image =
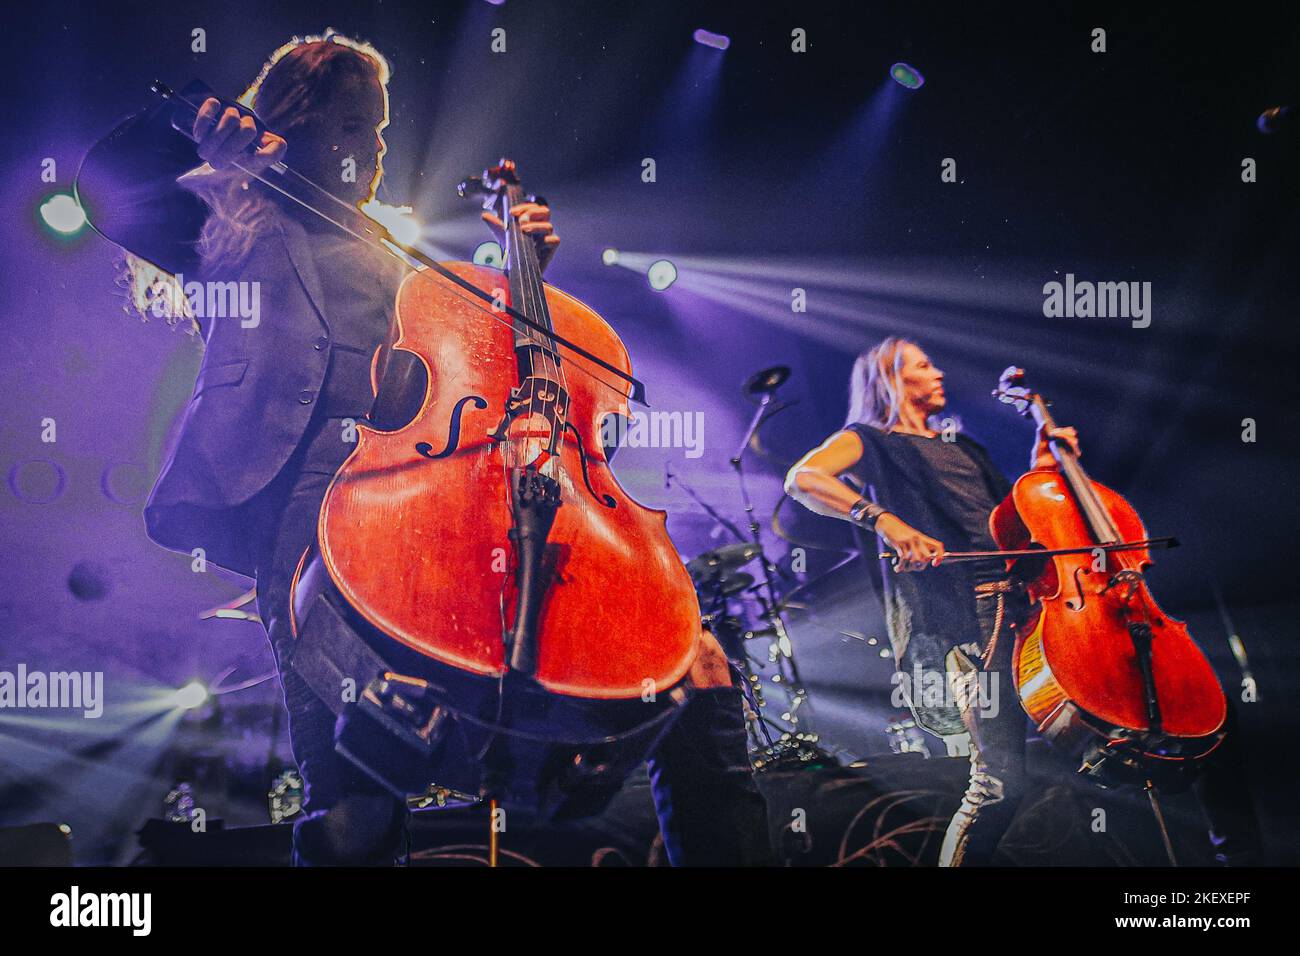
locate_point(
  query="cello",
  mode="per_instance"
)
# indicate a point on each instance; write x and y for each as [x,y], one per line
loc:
[549,618]
[1103,672]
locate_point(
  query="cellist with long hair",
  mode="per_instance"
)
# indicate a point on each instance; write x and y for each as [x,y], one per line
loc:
[925,490]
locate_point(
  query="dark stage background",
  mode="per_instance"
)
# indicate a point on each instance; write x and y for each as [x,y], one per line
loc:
[775,171]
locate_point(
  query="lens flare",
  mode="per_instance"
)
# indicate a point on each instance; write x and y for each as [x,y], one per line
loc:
[396,219]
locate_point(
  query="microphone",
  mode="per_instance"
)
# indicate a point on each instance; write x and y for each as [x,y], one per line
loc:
[1273,120]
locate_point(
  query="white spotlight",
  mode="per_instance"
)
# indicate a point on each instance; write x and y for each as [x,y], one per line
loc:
[192,695]
[661,274]
[489,254]
[609,257]
[63,214]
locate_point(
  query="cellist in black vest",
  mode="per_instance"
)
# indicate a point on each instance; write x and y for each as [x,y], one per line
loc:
[889,470]
[270,420]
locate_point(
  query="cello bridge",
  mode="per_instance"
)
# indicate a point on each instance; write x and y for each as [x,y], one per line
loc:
[1128,579]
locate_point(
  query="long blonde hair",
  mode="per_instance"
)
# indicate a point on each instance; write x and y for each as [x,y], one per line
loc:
[876,386]
[286,94]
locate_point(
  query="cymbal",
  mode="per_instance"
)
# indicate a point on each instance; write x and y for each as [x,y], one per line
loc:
[726,585]
[765,382]
[729,557]
[804,528]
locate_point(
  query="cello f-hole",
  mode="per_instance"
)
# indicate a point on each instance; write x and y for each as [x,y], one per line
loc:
[453,431]
[606,500]
[1079,603]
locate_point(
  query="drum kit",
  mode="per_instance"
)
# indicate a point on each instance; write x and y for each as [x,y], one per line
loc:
[745,598]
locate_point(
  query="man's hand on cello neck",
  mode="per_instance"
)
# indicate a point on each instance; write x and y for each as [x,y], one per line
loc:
[1042,457]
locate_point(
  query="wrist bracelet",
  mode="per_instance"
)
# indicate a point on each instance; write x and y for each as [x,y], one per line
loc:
[865,513]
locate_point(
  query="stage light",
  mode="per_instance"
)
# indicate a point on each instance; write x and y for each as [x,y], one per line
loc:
[661,274]
[715,40]
[609,257]
[63,214]
[908,77]
[489,254]
[192,695]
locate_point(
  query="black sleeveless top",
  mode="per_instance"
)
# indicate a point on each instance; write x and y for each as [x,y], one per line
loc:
[930,612]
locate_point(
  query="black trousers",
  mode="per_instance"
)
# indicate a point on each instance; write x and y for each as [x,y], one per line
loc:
[710,811]
[998,782]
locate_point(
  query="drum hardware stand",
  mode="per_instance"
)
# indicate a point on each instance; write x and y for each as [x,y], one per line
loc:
[795,745]
[1234,640]
[792,742]
[763,385]
[727,630]
[749,684]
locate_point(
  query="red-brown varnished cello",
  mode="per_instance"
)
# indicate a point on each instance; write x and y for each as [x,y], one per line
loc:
[489,535]
[1101,670]
[419,528]
[533,623]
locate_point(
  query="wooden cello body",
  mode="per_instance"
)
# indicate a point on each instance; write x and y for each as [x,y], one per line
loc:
[542,618]
[1102,670]
[421,547]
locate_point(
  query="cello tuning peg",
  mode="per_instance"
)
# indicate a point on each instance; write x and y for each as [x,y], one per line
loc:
[471,185]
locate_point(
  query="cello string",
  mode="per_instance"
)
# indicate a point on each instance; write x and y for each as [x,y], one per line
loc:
[561,379]
[1096,515]
[519,269]
[529,272]
[530,278]
[557,367]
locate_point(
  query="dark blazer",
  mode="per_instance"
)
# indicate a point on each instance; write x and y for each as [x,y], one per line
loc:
[252,401]
[257,387]
[927,614]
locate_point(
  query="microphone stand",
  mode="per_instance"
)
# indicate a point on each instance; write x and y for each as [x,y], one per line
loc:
[670,476]
[801,743]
